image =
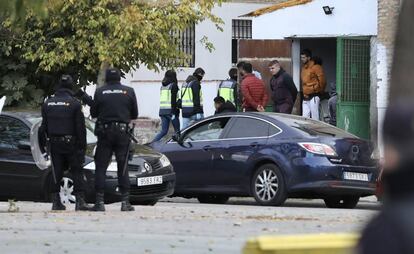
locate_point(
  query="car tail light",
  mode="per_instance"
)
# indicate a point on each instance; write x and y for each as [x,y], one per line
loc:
[318,148]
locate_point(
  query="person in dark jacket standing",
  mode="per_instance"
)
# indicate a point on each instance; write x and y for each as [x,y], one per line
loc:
[168,104]
[223,106]
[253,90]
[114,106]
[283,88]
[192,98]
[392,230]
[63,124]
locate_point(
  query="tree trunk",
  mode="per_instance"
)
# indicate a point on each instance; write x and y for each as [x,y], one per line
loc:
[402,75]
[101,76]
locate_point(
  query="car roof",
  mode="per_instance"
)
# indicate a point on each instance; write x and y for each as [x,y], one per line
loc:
[24,115]
[270,116]
[303,126]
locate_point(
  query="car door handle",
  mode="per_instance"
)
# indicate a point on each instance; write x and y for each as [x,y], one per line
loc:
[207,148]
[254,144]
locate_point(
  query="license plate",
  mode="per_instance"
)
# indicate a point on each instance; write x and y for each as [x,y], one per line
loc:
[356,176]
[144,181]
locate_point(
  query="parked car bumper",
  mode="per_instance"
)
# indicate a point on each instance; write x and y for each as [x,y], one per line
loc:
[141,193]
[319,176]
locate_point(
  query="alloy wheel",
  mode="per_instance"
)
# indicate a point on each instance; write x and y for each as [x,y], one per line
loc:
[266,185]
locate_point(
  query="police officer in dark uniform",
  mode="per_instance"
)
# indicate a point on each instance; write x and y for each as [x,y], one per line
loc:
[63,124]
[114,106]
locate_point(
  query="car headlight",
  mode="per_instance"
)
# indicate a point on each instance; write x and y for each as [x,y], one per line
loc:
[165,162]
[112,167]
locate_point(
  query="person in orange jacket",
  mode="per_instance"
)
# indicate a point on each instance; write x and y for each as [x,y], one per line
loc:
[313,84]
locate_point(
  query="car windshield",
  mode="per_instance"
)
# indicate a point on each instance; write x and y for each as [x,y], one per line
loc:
[314,128]
[90,137]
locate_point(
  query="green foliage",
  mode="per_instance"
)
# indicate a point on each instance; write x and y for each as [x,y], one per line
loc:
[17,81]
[17,9]
[80,37]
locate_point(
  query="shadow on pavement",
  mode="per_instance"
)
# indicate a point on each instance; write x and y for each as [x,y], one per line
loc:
[370,204]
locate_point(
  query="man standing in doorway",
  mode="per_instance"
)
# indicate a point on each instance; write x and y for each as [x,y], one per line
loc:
[313,83]
[192,98]
[284,91]
[253,90]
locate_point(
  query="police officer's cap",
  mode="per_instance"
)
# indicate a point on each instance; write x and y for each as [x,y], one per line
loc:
[112,74]
[66,81]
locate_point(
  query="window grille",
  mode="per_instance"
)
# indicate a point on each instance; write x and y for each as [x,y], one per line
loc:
[241,29]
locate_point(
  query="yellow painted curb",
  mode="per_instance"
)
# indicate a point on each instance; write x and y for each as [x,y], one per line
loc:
[302,244]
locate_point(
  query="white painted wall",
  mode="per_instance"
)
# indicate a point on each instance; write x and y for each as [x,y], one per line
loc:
[382,91]
[350,17]
[216,64]
[296,64]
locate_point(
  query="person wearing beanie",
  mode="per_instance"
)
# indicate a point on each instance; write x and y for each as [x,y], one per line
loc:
[114,106]
[392,230]
[191,98]
[63,124]
[168,104]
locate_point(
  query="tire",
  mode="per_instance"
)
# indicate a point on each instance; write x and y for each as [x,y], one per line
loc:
[151,202]
[347,202]
[213,199]
[268,186]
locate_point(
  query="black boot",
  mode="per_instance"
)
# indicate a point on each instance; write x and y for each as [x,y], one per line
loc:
[125,204]
[81,205]
[99,203]
[56,203]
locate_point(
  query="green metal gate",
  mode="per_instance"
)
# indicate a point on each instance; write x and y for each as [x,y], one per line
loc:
[353,85]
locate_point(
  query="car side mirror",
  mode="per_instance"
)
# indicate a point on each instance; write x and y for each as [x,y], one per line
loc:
[177,138]
[24,145]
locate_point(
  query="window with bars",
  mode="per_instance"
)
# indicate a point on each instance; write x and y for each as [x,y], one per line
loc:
[186,44]
[241,29]
[356,70]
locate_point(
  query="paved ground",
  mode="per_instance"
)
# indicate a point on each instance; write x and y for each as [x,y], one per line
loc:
[172,226]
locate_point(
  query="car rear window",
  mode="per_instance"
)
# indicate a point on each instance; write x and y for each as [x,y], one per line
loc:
[314,128]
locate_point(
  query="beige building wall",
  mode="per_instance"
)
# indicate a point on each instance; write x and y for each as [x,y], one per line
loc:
[388,11]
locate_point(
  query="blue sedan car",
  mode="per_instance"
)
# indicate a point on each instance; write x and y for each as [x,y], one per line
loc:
[271,157]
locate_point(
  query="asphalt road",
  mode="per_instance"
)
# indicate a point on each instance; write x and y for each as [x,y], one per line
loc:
[172,226]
